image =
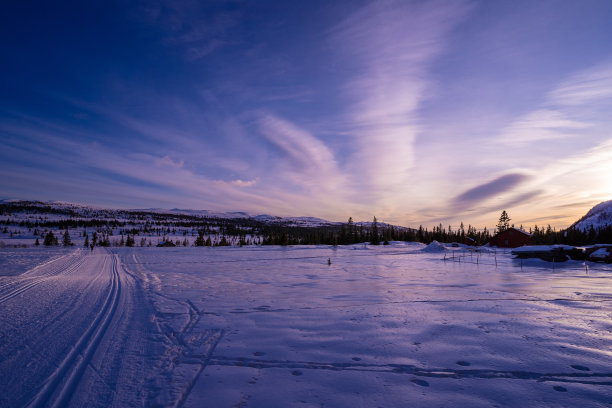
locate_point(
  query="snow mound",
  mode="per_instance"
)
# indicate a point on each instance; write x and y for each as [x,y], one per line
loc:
[532,248]
[435,246]
[599,216]
[601,253]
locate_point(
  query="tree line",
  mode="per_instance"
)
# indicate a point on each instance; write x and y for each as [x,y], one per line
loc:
[213,231]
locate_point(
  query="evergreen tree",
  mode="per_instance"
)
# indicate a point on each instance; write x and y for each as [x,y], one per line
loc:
[504,222]
[50,239]
[66,241]
[351,231]
[375,239]
[86,244]
[200,239]
[37,243]
[129,242]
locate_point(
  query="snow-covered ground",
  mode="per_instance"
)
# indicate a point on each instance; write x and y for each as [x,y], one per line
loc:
[388,326]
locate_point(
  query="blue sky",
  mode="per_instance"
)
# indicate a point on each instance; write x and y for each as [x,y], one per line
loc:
[418,112]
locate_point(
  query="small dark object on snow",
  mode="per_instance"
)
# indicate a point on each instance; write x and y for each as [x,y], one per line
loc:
[422,383]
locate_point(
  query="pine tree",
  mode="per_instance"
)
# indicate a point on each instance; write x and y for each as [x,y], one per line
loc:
[50,239]
[66,241]
[200,239]
[37,243]
[375,240]
[504,222]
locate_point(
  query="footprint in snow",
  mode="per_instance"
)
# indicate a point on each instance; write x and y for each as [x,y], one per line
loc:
[463,363]
[356,359]
[580,367]
[296,372]
[559,388]
[259,353]
[422,383]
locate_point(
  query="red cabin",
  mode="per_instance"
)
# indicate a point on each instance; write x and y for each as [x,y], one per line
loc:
[510,238]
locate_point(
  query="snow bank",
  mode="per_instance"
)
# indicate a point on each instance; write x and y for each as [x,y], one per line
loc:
[601,253]
[533,248]
[435,246]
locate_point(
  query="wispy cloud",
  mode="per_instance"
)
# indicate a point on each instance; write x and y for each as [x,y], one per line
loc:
[542,124]
[168,162]
[191,26]
[388,47]
[584,87]
[308,160]
[238,182]
[561,114]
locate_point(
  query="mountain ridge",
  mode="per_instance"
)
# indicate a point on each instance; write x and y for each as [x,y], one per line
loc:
[600,216]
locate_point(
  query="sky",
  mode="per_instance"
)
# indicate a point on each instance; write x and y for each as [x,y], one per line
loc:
[416,112]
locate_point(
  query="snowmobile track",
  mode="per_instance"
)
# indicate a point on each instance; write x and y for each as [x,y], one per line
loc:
[60,386]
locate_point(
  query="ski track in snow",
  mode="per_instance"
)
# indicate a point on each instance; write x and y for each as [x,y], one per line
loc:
[56,394]
[61,319]
[279,327]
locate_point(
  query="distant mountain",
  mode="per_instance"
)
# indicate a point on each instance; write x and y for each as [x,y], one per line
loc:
[67,209]
[195,213]
[599,216]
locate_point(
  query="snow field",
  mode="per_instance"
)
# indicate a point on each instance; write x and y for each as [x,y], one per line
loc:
[385,326]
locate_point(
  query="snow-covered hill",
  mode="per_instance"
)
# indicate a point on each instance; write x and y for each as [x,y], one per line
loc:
[599,216]
[61,210]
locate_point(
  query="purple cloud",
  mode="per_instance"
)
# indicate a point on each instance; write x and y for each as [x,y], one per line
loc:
[492,188]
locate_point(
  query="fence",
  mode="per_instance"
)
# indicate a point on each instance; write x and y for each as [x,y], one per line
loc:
[477,257]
